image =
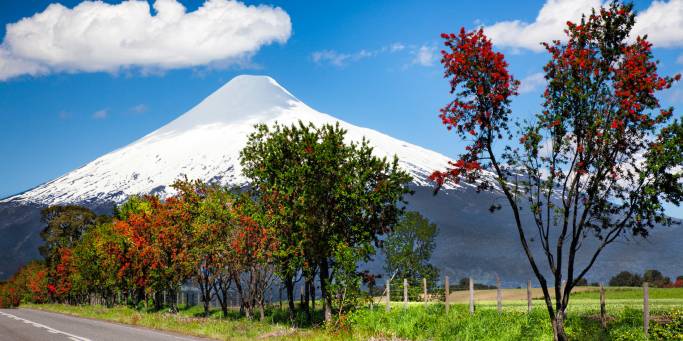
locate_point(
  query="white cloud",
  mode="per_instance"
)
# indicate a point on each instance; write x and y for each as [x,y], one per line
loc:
[532,82]
[661,21]
[395,47]
[340,59]
[100,114]
[139,109]
[549,25]
[95,36]
[426,56]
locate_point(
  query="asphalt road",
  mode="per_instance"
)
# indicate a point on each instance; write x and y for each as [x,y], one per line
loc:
[34,325]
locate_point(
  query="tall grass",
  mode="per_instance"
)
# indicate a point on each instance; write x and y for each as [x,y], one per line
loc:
[432,323]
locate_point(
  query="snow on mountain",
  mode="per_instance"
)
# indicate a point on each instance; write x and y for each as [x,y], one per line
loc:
[205,142]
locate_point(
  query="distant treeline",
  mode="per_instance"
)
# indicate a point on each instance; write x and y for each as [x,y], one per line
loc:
[653,277]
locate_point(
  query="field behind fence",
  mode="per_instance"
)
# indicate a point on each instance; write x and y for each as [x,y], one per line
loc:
[603,301]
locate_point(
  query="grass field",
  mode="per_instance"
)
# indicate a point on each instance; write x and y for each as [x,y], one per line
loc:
[624,307]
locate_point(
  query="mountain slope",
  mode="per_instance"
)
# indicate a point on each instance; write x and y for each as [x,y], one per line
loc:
[205,142]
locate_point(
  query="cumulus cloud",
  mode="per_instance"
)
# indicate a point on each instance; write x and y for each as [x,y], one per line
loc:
[96,36]
[426,56]
[100,114]
[549,25]
[532,82]
[661,21]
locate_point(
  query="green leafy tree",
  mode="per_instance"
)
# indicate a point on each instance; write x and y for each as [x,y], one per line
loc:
[97,264]
[213,227]
[64,227]
[656,279]
[408,249]
[330,193]
[273,161]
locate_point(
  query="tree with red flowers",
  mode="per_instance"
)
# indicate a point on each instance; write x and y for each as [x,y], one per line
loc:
[679,282]
[596,164]
[252,246]
[135,257]
[9,295]
[213,225]
[30,282]
[159,235]
[61,282]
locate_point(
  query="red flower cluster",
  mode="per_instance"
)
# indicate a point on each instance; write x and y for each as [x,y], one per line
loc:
[483,86]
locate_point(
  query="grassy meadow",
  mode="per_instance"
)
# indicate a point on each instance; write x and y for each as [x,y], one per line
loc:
[426,322]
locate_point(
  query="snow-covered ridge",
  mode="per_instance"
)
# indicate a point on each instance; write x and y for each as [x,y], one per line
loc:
[205,143]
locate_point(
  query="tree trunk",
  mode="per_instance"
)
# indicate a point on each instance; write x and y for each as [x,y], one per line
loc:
[205,290]
[324,289]
[312,292]
[558,326]
[289,283]
[221,287]
[173,294]
[307,291]
[157,298]
[244,304]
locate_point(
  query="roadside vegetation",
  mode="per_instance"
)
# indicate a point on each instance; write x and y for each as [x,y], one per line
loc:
[418,322]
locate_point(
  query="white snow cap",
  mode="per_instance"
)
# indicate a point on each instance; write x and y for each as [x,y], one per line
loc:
[205,143]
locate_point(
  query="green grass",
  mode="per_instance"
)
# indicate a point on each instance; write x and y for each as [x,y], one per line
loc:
[187,321]
[632,293]
[624,308]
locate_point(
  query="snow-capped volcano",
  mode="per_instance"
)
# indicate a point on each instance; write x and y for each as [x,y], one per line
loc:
[205,143]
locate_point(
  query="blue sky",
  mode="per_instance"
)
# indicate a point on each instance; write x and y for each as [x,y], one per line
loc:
[371,63]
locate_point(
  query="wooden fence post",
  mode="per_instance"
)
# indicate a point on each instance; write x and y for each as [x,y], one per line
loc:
[646,309]
[405,293]
[603,312]
[424,289]
[499,295]
[388,290]
[471,296]
[447,290]
[528,296]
